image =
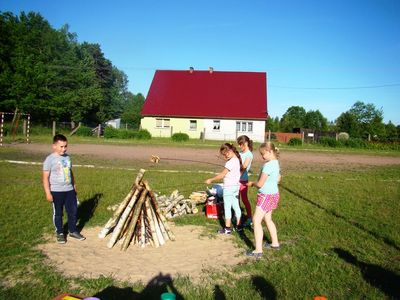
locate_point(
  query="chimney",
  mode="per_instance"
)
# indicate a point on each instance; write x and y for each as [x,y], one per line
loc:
[210,70]
[191,70]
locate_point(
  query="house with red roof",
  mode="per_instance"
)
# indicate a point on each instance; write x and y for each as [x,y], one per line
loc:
[214,105]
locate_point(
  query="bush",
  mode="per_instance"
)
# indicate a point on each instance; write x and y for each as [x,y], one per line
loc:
[295,142]
[84,131]
[143,134]
[329,142]
[355,143]
[113,133]
[180,137]
[110,132]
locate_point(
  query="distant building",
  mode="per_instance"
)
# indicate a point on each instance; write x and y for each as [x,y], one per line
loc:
[214,104]
[116,123]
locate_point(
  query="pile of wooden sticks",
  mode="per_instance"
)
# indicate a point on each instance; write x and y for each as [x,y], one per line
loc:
[138,219]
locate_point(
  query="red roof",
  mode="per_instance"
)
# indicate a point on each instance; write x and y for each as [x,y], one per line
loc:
[205,94]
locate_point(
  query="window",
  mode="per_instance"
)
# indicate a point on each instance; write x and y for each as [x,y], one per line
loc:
[193,125]
[162,123]
[244,126]
[216,125]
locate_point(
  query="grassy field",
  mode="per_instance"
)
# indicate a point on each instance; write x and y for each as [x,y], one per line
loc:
[339,231]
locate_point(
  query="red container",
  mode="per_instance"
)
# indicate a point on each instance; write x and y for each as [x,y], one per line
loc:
[214,210]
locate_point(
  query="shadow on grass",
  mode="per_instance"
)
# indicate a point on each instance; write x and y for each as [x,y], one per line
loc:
[154,289]
[263,287]
[385,280]
[86,210]
[386,240]
[218,293]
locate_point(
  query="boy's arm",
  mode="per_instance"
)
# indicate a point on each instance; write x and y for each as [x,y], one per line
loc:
[73,182]
[46,185]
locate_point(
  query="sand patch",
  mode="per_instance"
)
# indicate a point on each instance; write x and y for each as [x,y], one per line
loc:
[191,254]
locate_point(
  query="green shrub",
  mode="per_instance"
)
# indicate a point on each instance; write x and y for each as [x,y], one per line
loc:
[295,142]
[143,134]
[113,133]
[329,142]
[355,143]
[110,132]
[180,137]
[84,131]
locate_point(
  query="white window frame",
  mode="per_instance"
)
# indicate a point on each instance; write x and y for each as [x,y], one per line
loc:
[216,125]
[193,125]
[162,123]
[244,126]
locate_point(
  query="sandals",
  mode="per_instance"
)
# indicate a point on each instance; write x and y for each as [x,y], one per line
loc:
[269,246]
[256,255]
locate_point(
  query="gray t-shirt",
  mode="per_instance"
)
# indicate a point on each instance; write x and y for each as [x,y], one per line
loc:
[59,167]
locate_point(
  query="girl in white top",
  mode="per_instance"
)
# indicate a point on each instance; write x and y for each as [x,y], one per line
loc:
[231,176]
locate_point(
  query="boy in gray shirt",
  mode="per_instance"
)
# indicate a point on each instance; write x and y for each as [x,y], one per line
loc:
[59,186]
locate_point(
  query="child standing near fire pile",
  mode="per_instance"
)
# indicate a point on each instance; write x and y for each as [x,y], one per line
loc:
[60,189]
[246,148]
[267,199]
[231,176]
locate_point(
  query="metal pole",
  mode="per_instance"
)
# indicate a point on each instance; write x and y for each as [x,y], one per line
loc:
[27,129]
[1,131]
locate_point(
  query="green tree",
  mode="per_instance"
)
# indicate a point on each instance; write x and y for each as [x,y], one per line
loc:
[391,132]
[347,122]
[293,118]
[132,110]
[272,124]
[315,120]
[369,119]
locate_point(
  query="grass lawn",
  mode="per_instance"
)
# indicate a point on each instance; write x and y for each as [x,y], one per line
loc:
[339,231]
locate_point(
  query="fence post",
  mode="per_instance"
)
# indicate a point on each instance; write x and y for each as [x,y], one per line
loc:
[28,128]
[98,130]
[204,135]
[1,130]
[54,128]
[302,137]
[269,135]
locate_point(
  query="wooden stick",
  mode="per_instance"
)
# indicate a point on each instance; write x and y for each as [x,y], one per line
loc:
[113,220]
[122,219]
[135,217]
[152,226]
[160,214]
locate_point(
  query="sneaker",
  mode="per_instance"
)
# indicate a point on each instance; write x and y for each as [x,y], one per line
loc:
[256,255]
[239,228]
[269,246]
[60,238]
[225,230]
[77,235]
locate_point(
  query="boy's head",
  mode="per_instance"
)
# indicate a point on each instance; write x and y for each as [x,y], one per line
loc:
[60,144]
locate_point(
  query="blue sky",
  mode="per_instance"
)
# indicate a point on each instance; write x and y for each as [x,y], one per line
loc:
[320,54]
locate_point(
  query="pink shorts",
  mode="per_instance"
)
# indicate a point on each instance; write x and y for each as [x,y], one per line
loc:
[267,202]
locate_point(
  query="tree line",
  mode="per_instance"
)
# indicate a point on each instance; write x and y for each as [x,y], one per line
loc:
[362,120]
[46,72]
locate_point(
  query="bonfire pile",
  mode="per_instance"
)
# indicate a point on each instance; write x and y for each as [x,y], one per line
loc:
[138,219]
[176,205]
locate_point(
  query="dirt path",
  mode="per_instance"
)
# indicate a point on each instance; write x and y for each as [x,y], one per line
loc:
[172,155]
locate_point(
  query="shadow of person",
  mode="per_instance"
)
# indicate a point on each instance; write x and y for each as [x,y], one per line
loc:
[115,293]
[158,285]
[263,287]
[385,280]
[86,210]
[218,293]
